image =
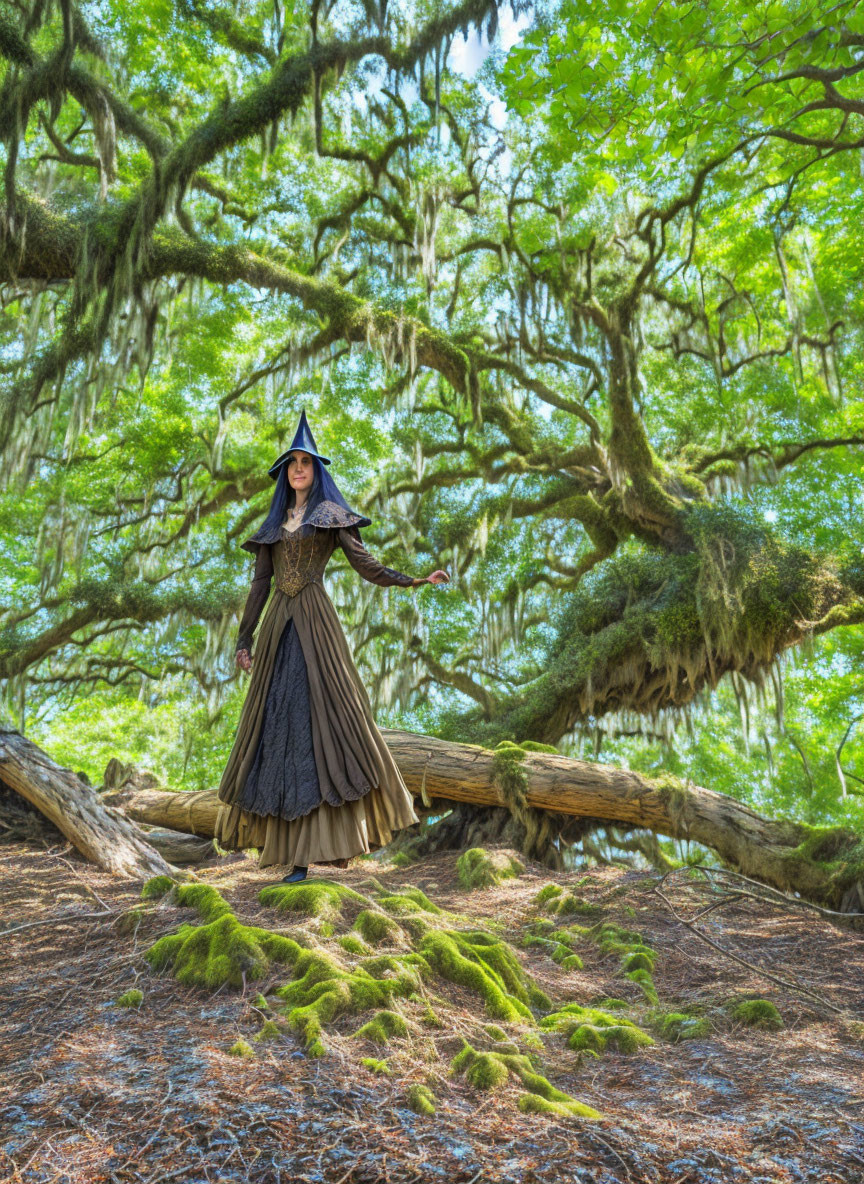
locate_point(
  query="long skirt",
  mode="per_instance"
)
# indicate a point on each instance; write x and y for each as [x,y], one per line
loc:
[310,778]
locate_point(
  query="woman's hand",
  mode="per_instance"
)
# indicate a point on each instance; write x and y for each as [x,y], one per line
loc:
[438,577]
[244,659]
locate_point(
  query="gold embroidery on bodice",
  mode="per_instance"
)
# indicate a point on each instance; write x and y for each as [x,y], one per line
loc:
[300,559]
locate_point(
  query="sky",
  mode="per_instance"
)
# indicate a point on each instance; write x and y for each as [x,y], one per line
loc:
[466,57]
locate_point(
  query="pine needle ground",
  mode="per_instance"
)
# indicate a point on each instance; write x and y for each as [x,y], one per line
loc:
[197,1083]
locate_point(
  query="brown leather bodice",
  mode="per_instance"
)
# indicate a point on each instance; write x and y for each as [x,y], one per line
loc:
[300,559]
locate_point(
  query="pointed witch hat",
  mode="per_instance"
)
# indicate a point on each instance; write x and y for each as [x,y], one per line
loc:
[304,440]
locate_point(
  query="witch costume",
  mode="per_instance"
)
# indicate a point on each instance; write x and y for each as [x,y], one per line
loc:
[310,778]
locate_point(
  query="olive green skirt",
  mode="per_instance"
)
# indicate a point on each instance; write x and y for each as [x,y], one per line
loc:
[348,747]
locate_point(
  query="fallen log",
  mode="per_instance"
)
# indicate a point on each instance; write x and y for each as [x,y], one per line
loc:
[192,813]
[179,849]
[104,835]
[821,864]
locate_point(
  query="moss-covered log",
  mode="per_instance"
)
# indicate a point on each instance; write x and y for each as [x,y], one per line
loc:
[822,864]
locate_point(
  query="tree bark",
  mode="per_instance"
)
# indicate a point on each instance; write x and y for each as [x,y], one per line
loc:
[189,813]
[102,834]
[822,864]
[179,849]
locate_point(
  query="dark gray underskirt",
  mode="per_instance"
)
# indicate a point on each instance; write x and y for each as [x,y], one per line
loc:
[283,779]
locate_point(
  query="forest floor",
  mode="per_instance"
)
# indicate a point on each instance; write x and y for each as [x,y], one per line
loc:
[91,1091]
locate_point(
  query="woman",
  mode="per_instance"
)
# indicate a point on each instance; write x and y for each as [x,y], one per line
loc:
[310,778]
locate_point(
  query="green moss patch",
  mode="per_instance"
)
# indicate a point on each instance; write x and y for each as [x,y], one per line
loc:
[542,942]
[636,958]
[543,926]
[130,998]
[588,1029]
[487,965]
[223,951]
[537,1104]
[571,935]
[324,990]
[269,1030]
[646,983]
[562,954]
[758,1013]
[681,1025]
[555,900]
[375,1066]
[491,1070]
[408,901]
[324,899]
[241,1049]
[157,887]
[612,939]
[420,1099]
[826,863]
[412,965]
[478,868]
[495,1032]
[383,1026]
[353,945]
[378,928]
[207,901]
[484,1070]
[430,1017]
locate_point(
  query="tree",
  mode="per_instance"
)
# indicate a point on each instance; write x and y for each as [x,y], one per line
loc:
[608,335]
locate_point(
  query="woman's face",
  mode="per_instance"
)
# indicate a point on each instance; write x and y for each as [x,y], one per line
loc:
[301,470]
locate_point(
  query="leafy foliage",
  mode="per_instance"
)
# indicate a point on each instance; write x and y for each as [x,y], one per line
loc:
[593,345]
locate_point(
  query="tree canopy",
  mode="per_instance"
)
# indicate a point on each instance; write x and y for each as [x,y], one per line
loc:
[581,321]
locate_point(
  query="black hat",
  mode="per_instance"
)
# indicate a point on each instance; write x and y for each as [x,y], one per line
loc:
[304,440]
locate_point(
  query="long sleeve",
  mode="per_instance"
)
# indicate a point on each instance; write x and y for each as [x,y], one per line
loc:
[367,565]
[257,598]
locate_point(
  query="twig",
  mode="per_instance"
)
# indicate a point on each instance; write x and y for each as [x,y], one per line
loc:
[593,1135]
[766,892]
[184,1167]
[54,920]
[81,879]
[743,962]
[720,904]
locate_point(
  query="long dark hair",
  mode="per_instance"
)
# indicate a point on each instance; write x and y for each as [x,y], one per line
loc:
[324,488]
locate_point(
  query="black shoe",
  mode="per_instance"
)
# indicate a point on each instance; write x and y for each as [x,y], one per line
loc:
[296,876]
